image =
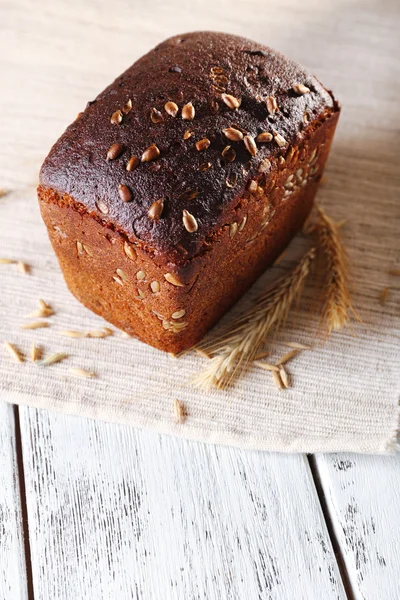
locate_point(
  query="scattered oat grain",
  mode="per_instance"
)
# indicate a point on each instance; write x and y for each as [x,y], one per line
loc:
[35,325]
[82,372]
[179,411]
[14,352]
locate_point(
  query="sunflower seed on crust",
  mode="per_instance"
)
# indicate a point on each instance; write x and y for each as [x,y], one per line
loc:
[189,221]
[124,193]
[155,210]
[171,109]
[230,101]
[127,107]
[156,116]
[271,104]
[264,136]
[188,112]
[129,251]
[202,144]
[173,279]
[115,151]
[151,153]
[300,89]
[233,134]
[250,144]
[116,117]
[132,163]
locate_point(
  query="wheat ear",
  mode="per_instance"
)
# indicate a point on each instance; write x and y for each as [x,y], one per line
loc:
[238,344]
[337,308]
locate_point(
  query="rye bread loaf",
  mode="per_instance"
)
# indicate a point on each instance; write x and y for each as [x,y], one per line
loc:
[183,180]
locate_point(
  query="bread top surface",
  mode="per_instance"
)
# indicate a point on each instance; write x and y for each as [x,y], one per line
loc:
[192,68]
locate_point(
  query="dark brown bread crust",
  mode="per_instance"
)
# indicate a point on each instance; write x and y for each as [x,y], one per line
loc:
[196,68]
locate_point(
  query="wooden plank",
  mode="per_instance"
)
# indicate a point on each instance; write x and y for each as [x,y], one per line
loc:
[116,512]
[363,498]
[13,579]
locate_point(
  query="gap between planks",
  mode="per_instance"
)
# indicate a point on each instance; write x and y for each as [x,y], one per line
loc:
[24,508]
[331,531]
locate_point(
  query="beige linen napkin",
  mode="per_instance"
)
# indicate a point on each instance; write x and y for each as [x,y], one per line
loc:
[345,393]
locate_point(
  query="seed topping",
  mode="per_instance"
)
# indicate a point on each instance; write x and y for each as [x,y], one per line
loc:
[151,153]
[230,101]
[174,280]
[188,134]
[279,139]
[114,151]
[127,107]
[155,287]
[264,166]
[140,275]
[116,117]
[271,104]
[202,144]
[102,207]
[233,134]
[178,314]
[171,109]
[132,163]
[229,153]
[300,89]
[189,221]
[156,116]
[122,274]
[124,193]
[205,167]
[156,209]
[188,112]
[265,136]
[129,251]
[250,145]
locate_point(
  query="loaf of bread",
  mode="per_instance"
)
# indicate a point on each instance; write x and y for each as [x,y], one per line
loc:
[183,180]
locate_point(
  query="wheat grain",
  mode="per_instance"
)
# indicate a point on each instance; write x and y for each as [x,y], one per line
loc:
[298,346]
[23,267]
[52,359]
[82,373]
[238,343]
[284,377]
[35,325]
[179,411]
[34,352]
[276,378]
[288,356]
[266,366]
[14,352]
[338,308]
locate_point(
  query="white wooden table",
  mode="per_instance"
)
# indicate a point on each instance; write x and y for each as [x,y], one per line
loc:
[94,510]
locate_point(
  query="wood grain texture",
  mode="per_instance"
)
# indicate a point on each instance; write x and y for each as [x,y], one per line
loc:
[363,497]
[120,513]
[13,585]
